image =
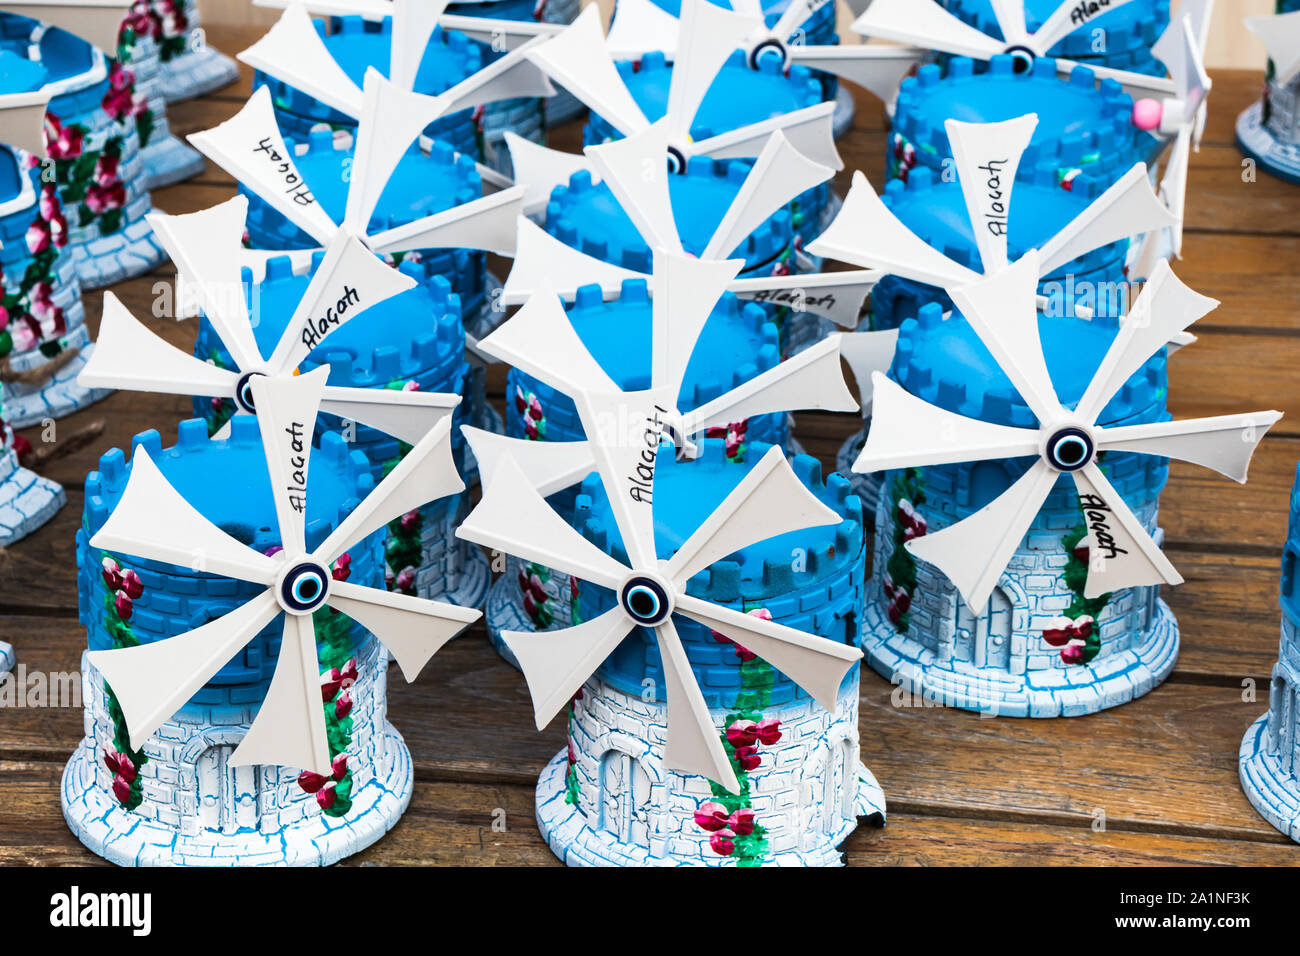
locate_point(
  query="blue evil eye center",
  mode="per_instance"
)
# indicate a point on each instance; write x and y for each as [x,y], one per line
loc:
[676,160]
[1022,58]
[244,393]
[304,588]
[1069,449]
[770,47]
[645,601]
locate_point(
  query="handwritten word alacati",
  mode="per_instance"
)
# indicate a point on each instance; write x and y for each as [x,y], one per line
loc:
[1096,513]
[995,214]
[642,482]
[294,184]
[317,329]
[297,488]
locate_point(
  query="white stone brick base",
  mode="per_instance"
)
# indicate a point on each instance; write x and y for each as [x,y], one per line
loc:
[1111,680]
[168,161]
[800,793]
[130,252]
[60,395]
[27,501]
[1271,790]
[199,70]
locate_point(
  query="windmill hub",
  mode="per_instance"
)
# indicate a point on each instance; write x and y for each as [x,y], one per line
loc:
[1022,58]
[769,47]
[244,392]
[676,160]
[1069,449]
[646,599]
[303,586]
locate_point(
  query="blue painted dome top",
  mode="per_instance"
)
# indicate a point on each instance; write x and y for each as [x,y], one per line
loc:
[19,74]
[359,44]
[423,183]
[588,217]
[936,211]
[944,362]
[61,53]
[1129,27]
[738,96]
[738,341]
[687,492]
[1079,121]
[393,341]
[227,482]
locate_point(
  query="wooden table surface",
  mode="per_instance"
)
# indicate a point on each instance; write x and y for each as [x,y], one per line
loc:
[1151,782]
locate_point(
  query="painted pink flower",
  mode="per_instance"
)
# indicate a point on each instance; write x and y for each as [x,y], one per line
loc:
[411,386]
[120,765]
[100,199]
[722,843]
[59,230]
[49,202]
[112,573]
[311,782]
[410,520]
[742,733]
[748,758]
[405,580]
[4,318]
[330,682]
[339,766]
[106,170]
[711,816]
[132,584]
[1073,653]
[343,706]
[742,821]
[521,400]
[121,790]
[122,604]
[325,796]
[38,237]
[349,672]
[63,142]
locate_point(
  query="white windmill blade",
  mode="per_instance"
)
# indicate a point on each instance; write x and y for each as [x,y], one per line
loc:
[1173,48]
[1120,551]
[1068,17]
[152,521]
[1281,35]
[128,355]
[866,233]
[349,280]
[810,379]
[987,156]
[1010,18]
[407,416]
[489,224]
[839,296]
[791,18]
[810,130]
[866,354]
[549,466]
[974,552]
[1136,85]
[22,120]
[1164,308]
[708,36]
[390,121]
[878,69]
[686,290]
[816,664]
[693,743]
[413,629]
[426,473]
[1173,185]
[641,27]
[293,52]
[505,78]
[557,664]
[925,23]
[498,33]
[289,727]
[623,432]
[95,21]
[153,681]
[779,175]
[540,170]
[769,501]
[367,9]
[250,148]
[513,518]
[540,341]
[635,169]
[1224,443]
[1127,208]
[578,60]
[286,417]
[907,432]
[413,24]
[206,247]
[540,256]
[1002,309]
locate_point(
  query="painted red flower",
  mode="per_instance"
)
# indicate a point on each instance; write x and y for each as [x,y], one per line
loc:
[405,579]
[325,796]
[132,584]
[722,843]
[106,170]
[311,782]
[112,573]
[343,706]
[742,821]
[330,682]
[121,790]
[748,758]
[38,237]
[768,731]
[63,142]
[711,816]
[122,604]
[100,199]
[339,766]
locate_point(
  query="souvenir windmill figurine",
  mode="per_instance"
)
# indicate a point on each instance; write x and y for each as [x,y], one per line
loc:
[928,235]
[191,66]
[239,637]
[43,334]
[684,569]
[1000,584]
[1269,763]
[316,78]
[1269,130]
[91,135]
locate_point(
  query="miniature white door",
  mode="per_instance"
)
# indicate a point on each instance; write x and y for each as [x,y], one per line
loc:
[624,796]
[1283,700]
[841,786]
[984,641]
[227,796]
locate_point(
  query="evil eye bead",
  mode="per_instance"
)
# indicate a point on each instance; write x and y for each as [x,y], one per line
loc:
[645,601]
[770,47]
[1069,449]
[244,393]
[304,588]
[1022,58]
[676,161]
